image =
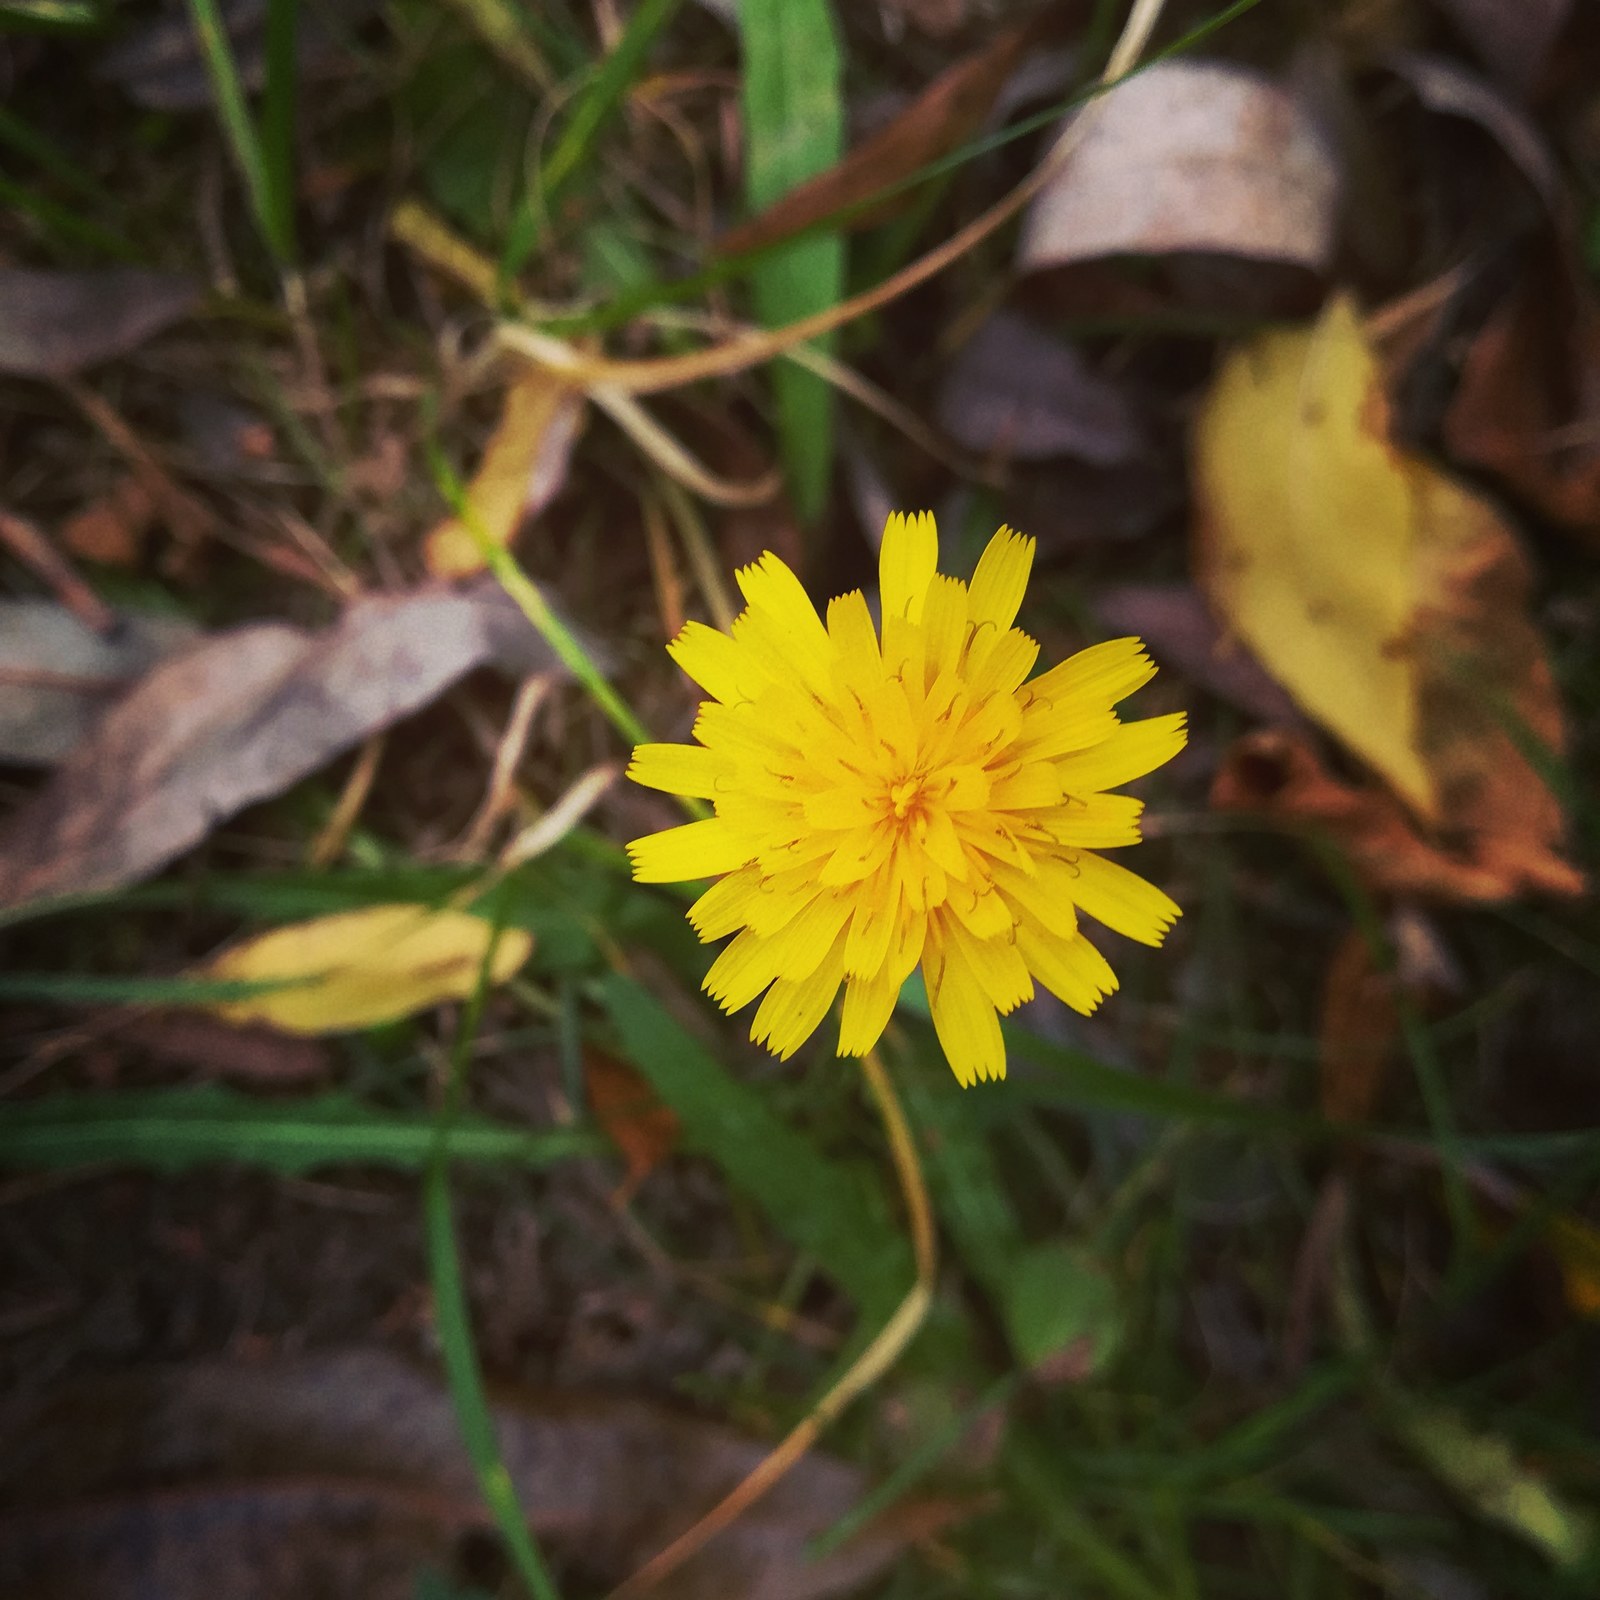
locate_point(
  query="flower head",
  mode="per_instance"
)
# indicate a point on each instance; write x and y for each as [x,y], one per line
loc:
[880,803]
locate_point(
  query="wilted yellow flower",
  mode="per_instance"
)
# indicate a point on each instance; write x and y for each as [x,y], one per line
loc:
[880,804]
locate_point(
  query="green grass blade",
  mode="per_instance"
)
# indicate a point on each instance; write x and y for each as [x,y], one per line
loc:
[237,125]
[794,128]
[174,1129]
[600,100]
[835,1213]
[454,1317]
[67,225]
[1036,1481]
[594,108]
[533,605]
[277,121]
[70,988]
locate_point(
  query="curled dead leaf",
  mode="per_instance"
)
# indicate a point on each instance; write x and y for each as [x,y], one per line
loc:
[1276,774]
[1190,160]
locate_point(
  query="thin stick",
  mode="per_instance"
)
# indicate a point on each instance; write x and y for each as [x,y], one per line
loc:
[329,845]
[871,1365]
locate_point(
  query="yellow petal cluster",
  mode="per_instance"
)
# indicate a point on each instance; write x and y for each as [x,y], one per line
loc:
[915,797]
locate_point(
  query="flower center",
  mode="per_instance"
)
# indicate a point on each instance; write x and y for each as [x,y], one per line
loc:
[905,796]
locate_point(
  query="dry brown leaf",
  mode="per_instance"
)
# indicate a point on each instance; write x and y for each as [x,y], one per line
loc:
[638,1122]
[1277,774]
[112,528]
[1527,407]
[350,1466]
[1190,159]
[946,114]
[56,323]
[239,718]
[57,675]
[1359,1030]
[1016,392]
[523,468]
[1388,600]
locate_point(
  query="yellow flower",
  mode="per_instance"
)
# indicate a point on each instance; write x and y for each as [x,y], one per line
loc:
[880,804]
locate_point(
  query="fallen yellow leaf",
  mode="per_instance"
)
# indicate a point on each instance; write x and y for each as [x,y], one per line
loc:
[365,967]
[523,467]
[1386,598]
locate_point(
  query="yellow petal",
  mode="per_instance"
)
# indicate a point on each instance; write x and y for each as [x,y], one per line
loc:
[998,662]
[855,641]
[982,912]
[857,855]
[944,624]
[717,664]
[944,844]
[1133,750]
[906,943]
[907,561]
[1045,895]
[791,1010]
[1033,784]
[1001,972]
[964,1019]
[678,768]
[871,932]
[770,586]
[726,906]
[868,1005]
[1001,579]
[1071,969]
[365,967]
[743,968]
[798,947]
[1102,675]
[694,850]
[1123,900]
[1093,821]
[788,655]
